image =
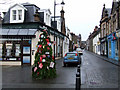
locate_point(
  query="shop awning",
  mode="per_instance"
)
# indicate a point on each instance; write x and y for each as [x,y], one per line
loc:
[18,32]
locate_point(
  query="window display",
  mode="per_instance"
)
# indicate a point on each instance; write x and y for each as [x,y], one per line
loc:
[8,49]
[0,50]
[116,48]
[26,50]
[109,48]
[18,51]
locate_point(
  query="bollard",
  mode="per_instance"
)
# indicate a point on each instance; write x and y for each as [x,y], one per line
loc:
[78,81]
[78,68]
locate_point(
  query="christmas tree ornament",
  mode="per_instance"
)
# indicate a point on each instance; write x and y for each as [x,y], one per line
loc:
[35,69]
[41,33]
[41,40]
[40,59]
[53,57]
[47,40]
[49,44]
[52,64]
[39,36]
[48,48]
[40,46]
[44,56]
[43,60]
[47,67]
[43,46]
[47,53]
[48,37]
[40,65]
[37,73]
[40,52]
[48,56]
[42,36]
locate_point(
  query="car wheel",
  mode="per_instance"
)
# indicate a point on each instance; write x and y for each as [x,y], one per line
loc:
[64,65]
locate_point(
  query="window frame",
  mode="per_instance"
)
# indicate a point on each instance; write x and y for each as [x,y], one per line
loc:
[14,14]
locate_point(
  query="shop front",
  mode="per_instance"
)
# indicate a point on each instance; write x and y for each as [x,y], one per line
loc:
[16,49]
[113,46]
[103,46]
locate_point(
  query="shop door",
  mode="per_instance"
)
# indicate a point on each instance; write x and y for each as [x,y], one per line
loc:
[26,55]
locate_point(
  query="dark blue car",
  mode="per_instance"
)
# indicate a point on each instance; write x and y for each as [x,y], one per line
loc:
[72,57]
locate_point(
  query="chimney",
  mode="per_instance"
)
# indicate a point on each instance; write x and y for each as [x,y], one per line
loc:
[37,16]
[63,30]
[62,13]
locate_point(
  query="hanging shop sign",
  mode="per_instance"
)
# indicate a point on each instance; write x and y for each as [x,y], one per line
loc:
[103,40]
[118,34]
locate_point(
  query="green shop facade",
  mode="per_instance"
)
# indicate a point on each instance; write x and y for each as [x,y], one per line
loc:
[19,40]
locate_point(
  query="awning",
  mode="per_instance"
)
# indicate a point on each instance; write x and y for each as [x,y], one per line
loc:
[17,33]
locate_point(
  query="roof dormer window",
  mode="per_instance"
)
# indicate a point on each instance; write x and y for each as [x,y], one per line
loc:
[14,14]
[19,14]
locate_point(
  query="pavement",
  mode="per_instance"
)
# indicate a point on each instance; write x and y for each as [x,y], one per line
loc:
[115,62]
[21,77]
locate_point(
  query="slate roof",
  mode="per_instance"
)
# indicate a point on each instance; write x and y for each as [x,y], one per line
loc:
[31,9]
[18,31]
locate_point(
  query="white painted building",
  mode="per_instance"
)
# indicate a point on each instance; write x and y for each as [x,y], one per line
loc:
[66,42]
[20,35]
[46,15]
[96,43]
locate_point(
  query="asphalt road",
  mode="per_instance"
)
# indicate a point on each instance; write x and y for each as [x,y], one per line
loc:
[98,73]
[20,77]
[95,73]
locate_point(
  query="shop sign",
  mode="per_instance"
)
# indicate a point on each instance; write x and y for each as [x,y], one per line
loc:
[98,42]
[109,37]
[118,34]
[103,40]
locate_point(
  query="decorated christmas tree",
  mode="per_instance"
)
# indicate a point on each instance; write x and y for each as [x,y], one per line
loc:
[44,65]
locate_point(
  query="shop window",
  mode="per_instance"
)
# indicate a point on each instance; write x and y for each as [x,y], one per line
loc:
[116,48]
[17,51]
[98,48]
[0,50]
[26,50]
[8,49]
[109,48]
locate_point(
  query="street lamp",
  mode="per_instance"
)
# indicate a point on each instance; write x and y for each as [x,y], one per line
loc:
[62,3]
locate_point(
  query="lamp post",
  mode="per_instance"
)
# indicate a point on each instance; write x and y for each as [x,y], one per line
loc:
[62,3]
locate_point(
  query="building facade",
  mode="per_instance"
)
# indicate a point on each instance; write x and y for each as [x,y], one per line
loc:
[21,28]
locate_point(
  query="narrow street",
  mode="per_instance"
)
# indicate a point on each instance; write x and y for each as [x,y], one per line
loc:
[98,73]
[95,73]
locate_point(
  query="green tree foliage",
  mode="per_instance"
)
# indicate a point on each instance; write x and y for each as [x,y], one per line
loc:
[44,64]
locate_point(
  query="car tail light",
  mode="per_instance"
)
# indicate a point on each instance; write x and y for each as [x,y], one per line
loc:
[65,54]
[76,54]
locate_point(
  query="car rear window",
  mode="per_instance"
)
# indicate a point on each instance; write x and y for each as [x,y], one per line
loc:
[78,49]
[70,54]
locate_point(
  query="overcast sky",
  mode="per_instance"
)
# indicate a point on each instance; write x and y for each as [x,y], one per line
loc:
[81,16]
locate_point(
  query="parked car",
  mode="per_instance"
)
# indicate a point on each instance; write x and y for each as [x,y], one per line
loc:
[79,50]
[72,57]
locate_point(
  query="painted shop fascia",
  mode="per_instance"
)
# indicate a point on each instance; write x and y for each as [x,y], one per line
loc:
[113,46]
